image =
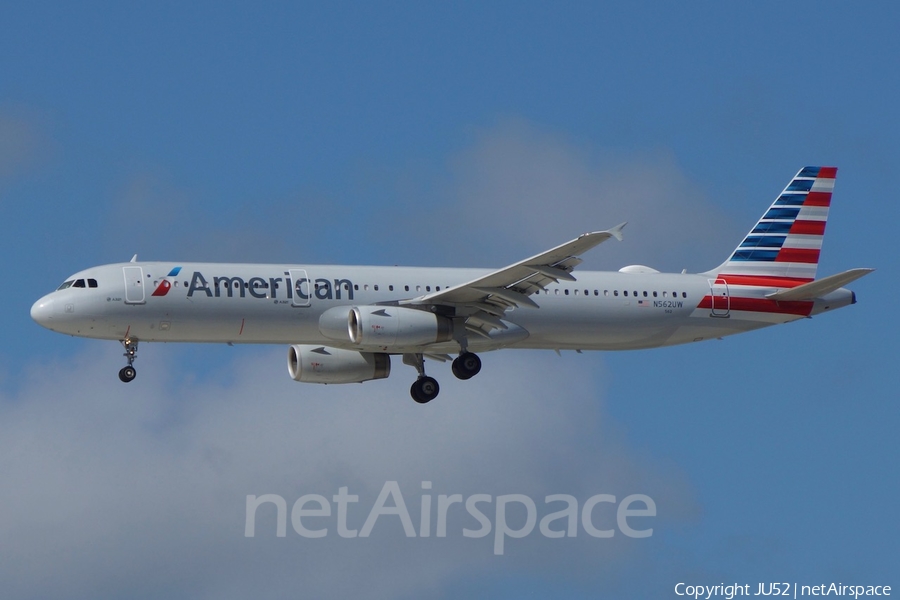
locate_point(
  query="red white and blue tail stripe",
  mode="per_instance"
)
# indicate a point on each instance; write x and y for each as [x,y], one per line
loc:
[780,252]
[783,248]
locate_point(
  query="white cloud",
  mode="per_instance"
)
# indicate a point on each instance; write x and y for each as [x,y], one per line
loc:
[110,489]
[113,489]
[22,142]
[519,189]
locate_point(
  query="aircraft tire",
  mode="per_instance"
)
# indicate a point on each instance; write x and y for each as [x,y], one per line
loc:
[127,374]
[466,365]
[424,390]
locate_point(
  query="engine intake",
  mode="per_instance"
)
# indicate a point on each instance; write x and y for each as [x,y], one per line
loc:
[320,364]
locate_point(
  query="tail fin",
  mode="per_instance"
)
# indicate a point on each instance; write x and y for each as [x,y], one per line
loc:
[786,241]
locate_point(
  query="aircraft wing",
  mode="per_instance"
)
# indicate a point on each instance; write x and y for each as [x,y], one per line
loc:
[484,300]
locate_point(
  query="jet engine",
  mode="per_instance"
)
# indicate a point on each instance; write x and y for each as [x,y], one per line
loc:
[320,364]
[384,326]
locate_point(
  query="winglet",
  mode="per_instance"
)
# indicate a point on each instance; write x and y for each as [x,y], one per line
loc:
[616,231]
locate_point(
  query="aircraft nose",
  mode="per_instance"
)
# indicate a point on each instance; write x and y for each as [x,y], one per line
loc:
[42,311]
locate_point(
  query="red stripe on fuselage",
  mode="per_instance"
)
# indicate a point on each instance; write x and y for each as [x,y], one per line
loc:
[764,280]
[808,227]
[798,255]
[763,305]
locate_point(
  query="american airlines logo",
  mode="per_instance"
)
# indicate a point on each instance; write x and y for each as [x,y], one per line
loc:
[165,285]
[270,288]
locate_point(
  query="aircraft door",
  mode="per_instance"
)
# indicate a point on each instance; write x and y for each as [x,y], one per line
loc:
[721,300]
[134,285]
[302,288]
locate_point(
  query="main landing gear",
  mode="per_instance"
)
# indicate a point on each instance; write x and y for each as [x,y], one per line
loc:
[466,365]
[425,388]
[127,373]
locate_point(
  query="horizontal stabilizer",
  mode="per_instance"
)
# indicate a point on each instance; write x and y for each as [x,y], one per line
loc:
[820,287]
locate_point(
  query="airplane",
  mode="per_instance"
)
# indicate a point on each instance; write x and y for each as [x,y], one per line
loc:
[343,324]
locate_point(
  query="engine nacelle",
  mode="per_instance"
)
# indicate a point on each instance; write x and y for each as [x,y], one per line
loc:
[320,364]
[384,326]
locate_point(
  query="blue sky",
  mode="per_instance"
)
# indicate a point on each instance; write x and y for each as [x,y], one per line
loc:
[469,134]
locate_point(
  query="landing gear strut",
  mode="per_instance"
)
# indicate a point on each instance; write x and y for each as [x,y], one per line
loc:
[425,388]
[128,372]
[466,365]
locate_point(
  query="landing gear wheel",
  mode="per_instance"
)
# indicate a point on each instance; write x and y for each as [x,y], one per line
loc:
[466,365]
[424,389]
[126,374]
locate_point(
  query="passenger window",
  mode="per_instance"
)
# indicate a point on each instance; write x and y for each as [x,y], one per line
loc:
[365,287]
[355,287]
[390,288]
[418,288]
[556,291]
[606,292]
[665,294]
[406,288]
[684,294]
[437,288]
[427,288]
[616,293]
[654,294]
[567,291]
[375,287]
[625,292]
[645,294]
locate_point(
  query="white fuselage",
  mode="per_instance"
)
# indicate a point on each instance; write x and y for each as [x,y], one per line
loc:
[282,304]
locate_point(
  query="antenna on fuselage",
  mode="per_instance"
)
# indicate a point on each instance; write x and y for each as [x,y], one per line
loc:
[133,258]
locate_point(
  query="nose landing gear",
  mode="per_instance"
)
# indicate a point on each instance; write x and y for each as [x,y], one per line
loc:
[128,373]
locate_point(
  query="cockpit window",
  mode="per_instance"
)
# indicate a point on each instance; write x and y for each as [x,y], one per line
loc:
[78,283]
